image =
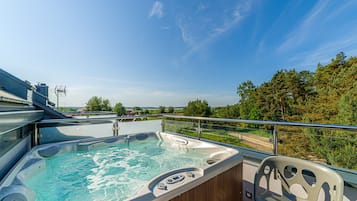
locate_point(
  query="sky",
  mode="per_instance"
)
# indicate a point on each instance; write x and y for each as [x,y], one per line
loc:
[153,53]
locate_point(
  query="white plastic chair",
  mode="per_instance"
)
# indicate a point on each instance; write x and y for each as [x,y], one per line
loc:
[300,180]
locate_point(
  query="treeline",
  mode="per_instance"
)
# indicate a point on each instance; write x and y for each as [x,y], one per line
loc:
[96,104]
[99,104]
[328,95]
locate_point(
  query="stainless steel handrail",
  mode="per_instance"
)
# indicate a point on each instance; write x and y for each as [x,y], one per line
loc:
[12,120]
[114,120]
[43,123]
[272,123]
[276,123]
[71,121]
[85,121]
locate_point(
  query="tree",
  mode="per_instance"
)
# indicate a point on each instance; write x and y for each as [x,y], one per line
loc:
[340,58]
[229,111]
[348,108]
[94,104]
[98,104]
[119,109]
[335,102]
[248,103]
[170,109]
[246,91]
[197,108]
[328,95]
[331,82]
[162,109]
[138,110]
[106,105]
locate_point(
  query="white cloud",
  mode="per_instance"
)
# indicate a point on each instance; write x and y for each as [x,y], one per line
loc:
[157,10]
[341,8]
[324,53]
[298,35]
[165,27]
[202,7]
[276,26]
[186,37]
[326,49]
[197,38]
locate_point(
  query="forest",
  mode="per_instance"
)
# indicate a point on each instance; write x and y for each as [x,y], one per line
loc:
[328,96]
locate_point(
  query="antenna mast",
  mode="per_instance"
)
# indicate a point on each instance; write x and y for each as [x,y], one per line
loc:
[60,90]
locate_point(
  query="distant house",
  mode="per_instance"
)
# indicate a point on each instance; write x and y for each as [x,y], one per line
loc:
[131,112]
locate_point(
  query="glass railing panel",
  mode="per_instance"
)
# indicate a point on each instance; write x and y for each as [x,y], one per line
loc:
[294,142]
[185,127]
[9,139]
[330,146]
[244,135]
[334,145]
[76,130]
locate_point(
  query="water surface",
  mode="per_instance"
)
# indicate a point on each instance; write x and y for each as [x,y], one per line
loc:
[110,173]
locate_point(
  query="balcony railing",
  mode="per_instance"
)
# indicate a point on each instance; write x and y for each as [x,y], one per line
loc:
[303,140]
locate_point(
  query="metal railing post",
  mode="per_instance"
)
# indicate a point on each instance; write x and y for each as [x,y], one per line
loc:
[116,128]
[163,125]
[113,128]
[199,130]
[37,136]
[275,141]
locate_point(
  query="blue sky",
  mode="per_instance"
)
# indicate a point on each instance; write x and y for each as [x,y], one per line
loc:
[151,53]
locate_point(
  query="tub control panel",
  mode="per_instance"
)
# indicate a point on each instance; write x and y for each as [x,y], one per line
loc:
[175,180]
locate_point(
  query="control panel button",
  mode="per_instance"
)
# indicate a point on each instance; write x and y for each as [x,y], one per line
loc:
[162,186]
[175,178]
[190,174]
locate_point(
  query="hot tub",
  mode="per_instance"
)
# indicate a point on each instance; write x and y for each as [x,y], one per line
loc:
[145,166]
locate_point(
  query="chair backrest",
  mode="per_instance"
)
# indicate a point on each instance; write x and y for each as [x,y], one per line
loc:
[300,180]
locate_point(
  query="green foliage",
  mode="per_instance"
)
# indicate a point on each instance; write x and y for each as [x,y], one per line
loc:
[229,111]
[170,109]
[189,129]
[137,108]
[247,106]
[347,107]
[282,98]
[335,102]
[339,148]
[68,109]
[345,156]
[295,143]
[332,83]
[328,95]
[162,109]
[98,104]
[197,108]
[119,109]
